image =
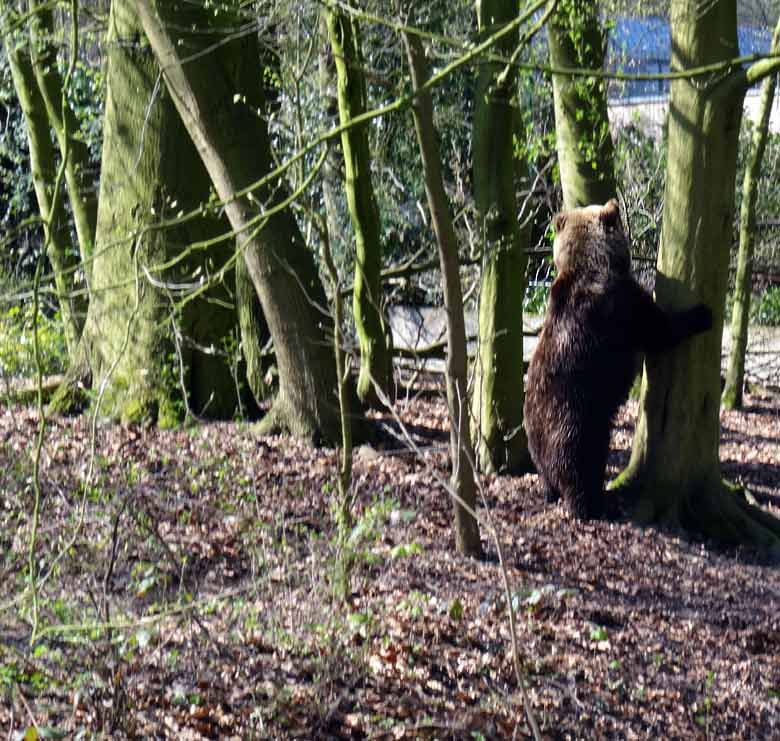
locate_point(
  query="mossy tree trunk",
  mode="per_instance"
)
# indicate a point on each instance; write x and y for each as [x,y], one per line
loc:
[148,351]
[498,393]
[743,282]
[674,468]
[461,449]
[233,143]
[583,141]
[62,256]
[332,179]
[375,357]
[80,181]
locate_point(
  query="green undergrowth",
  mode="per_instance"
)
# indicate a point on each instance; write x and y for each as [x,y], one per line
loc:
[17,356]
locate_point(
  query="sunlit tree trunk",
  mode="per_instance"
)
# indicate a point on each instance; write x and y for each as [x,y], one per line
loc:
[150,353]
[332,179]
[62,256]
[583,141]
[461,450]
[674,468]
[80,181]
[743,282]
[233,143]
[375,356]
[498,391]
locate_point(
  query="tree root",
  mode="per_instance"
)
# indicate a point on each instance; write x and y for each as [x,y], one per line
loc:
[71,396]
[717,511]
[725,516]
[286,418]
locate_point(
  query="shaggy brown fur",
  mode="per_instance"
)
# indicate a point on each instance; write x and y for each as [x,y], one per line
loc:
[598,321]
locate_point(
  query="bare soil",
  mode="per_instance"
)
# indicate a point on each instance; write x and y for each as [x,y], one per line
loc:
[187,596]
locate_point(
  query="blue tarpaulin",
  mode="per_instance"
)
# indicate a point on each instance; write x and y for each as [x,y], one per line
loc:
[644,45]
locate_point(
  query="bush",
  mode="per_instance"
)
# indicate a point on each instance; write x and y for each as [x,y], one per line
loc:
[17,354]
[767,309]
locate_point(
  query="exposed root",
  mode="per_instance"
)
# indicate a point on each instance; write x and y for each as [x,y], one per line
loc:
[71,396]
[286,418]
[725,516]
[716,511]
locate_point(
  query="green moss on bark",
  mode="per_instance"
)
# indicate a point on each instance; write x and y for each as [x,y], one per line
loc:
[234,146]
[151,170]
[498,384]
[583,140]
[63,258]
[375,356]
[674,471]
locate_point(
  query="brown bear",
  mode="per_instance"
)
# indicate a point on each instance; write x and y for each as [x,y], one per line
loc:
[598,321]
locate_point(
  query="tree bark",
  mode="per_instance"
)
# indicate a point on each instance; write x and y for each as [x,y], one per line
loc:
[62,257]
[674,469]
[333,167]
[151,354]
[743,282]
[78,178]
[375,357]
[583,141]
[498,397]
[461,449]
[254,332]
[234,146]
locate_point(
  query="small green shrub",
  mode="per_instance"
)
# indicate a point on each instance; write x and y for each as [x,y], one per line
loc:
[536,299]
[17,354]
[767,309]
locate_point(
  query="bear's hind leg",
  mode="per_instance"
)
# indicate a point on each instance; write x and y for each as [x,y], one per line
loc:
[585,492]
[550,493]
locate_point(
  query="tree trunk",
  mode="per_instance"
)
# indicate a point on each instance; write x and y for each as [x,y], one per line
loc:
[254,332]
[375,357]
[583,141]
[498,396]
[152,353]
[674,469]
[62,257]
[332,169]
[234,145]
[743,283]
[461,450]
[78,177]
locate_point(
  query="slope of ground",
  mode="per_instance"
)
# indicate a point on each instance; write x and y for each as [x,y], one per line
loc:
[184,594]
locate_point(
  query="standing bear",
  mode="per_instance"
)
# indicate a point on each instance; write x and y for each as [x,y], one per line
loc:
[598,321]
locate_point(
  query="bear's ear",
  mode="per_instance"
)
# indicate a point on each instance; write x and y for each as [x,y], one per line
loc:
[559,221]
[610,213]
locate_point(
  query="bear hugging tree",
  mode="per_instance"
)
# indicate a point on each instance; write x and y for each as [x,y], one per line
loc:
[598,321]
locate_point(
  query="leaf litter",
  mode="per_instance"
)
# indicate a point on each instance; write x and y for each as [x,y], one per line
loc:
[189,595]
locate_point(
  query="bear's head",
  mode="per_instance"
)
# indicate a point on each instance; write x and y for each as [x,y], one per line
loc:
[591,238]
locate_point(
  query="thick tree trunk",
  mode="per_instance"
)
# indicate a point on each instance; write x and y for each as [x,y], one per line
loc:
[743,282]
[674,468]
[150,171]
[462,452]
[62,257]
[80,181]
[375,357]
[583,141]
[498,396]
[234,145]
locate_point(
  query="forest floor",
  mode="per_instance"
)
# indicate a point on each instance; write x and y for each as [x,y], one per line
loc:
[184,593]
